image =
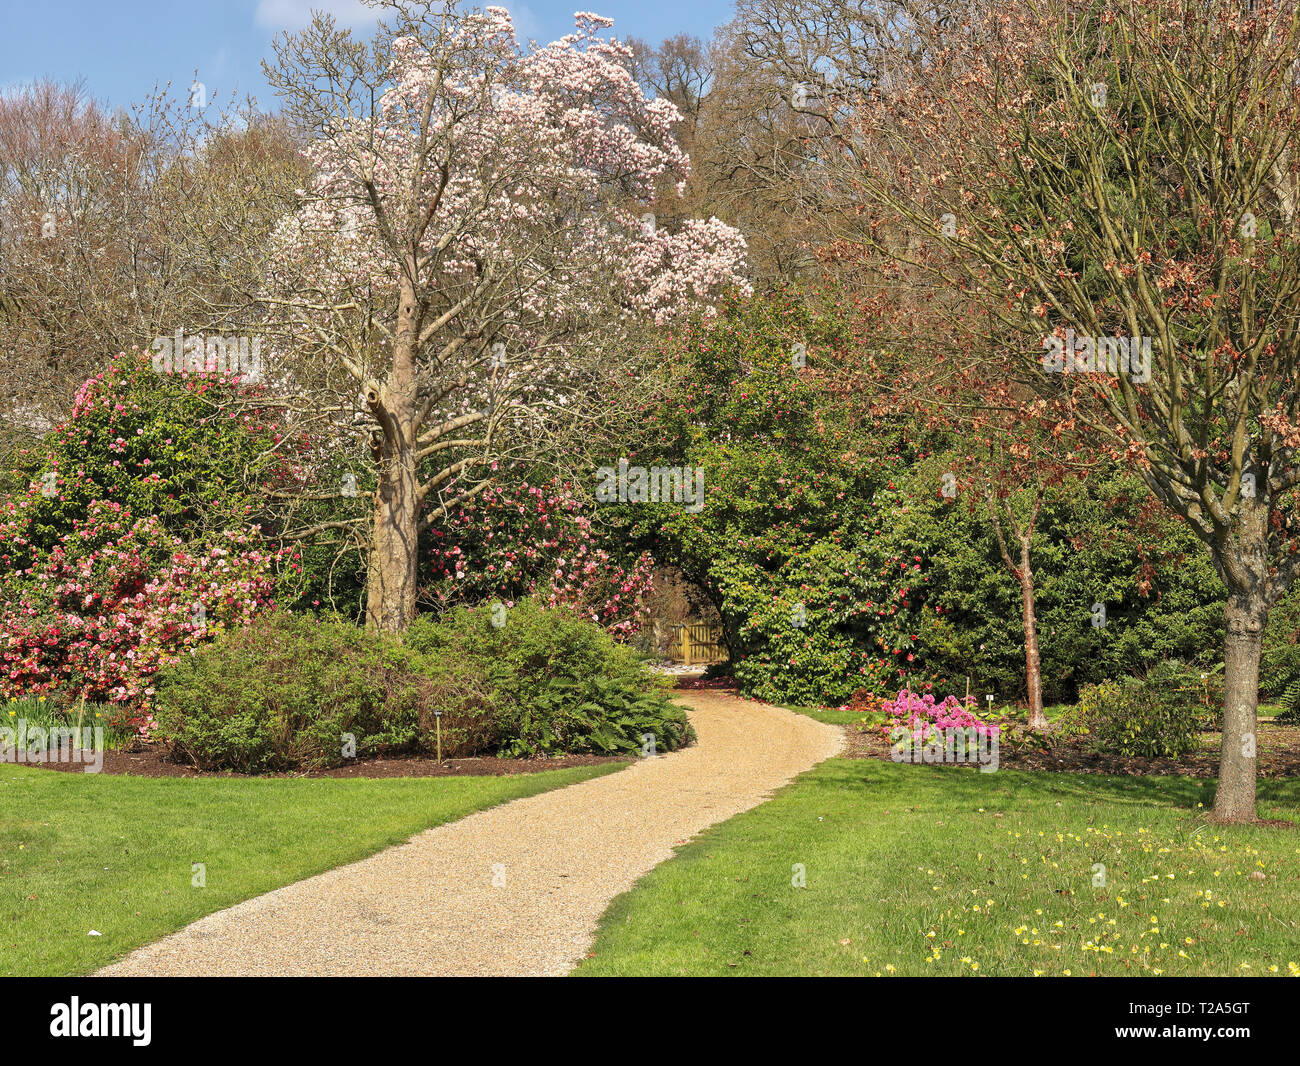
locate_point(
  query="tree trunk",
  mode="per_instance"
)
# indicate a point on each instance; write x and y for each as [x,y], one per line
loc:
[1024,573]
[391,569]
[1247,614]
[394,548]
[1033,672]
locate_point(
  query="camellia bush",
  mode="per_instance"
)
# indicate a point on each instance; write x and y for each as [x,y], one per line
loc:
[519,540]
[817,604]
[98,615]
[135,537]
[194,450]
[1098,542]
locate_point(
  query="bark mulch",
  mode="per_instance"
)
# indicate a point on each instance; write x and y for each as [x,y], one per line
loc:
[152,760]
[725,685]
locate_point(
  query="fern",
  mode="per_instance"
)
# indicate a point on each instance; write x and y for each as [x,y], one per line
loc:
[1290,713]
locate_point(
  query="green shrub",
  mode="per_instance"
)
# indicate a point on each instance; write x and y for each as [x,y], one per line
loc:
[1290,712]
[1198,691]
[1136,719]
[285,692]
[558,683]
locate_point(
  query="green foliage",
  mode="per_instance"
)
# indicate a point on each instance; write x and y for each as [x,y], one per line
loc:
[155,444]
[735,377]
[1290,713]
[287,691]
[1095,542]
[837,562]
[813,609]
[1198,689]
[1136,719]
[1279,665]
[558,683]
[47,713]
[815,604]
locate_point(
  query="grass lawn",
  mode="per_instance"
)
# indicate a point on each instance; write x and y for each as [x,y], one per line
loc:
[829,715]
[115,854]
[914,870]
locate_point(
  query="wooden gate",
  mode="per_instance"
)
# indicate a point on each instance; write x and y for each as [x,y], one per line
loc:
[696,642]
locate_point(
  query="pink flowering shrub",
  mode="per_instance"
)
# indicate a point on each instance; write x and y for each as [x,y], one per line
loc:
[528,540]
[97,616]
[924,717]
[138,534]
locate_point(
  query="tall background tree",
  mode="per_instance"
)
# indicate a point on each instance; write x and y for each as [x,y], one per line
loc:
[121,227]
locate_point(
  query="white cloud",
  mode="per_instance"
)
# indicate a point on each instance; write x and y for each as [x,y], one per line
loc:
[295,14]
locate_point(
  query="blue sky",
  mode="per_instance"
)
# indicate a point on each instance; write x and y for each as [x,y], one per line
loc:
[122,47]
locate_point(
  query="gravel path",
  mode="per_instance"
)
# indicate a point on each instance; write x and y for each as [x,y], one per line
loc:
[514,890]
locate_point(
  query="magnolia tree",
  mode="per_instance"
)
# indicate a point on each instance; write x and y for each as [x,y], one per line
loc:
[478,238]
[1114,185]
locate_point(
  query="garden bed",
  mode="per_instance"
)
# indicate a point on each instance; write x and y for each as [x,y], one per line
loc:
[152,760]
[1279,755]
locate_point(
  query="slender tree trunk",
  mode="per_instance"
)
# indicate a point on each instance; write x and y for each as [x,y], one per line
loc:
[1024,573]
[1247,615]
[1033,671]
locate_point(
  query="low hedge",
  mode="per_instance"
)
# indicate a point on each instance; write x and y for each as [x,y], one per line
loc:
[559,683]
[293,692]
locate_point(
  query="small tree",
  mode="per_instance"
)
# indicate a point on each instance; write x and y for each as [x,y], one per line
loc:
[1116,186]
